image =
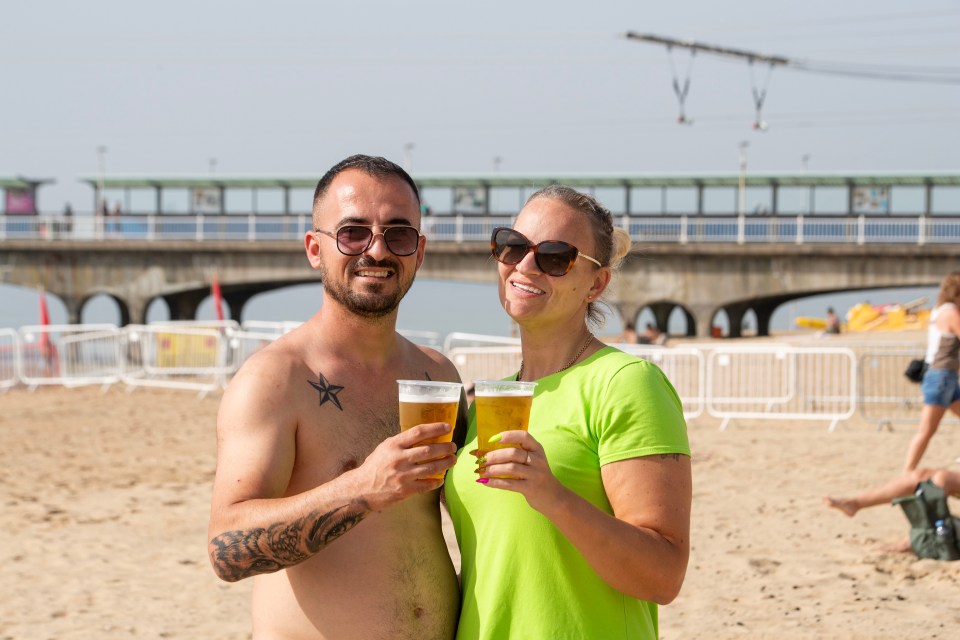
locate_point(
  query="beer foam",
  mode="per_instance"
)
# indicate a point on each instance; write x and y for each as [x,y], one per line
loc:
[409,397]
[504,394]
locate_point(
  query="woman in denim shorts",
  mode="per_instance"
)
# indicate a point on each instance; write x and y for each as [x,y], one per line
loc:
[939,386]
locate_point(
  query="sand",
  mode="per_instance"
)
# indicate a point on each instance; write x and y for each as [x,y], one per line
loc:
[104,499]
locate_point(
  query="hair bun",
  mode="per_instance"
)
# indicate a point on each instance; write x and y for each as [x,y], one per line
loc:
[621,246]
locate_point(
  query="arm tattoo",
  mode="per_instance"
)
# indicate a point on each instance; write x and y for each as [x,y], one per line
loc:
[675,456]
[327,390]
[240,554]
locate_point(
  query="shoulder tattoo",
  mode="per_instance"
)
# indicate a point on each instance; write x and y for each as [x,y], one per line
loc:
[327,390]
[240,554]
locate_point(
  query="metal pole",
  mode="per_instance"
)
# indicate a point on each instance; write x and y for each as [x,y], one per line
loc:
[742,194]
[101,170]
[804,161]
[101,201]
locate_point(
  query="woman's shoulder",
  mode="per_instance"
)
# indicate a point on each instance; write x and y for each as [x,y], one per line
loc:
[617,363]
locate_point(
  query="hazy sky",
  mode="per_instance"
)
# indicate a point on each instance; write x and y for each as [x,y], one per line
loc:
[289,88]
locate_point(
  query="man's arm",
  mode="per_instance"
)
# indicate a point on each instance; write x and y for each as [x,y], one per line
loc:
[254,528]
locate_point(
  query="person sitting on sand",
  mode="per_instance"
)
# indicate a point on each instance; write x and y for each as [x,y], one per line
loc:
[903,485]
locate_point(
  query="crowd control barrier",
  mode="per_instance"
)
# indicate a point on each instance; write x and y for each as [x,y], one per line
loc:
[9,357]
[176,357]
[69,355]
[786,383]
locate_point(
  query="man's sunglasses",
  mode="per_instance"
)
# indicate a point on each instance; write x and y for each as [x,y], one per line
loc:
[553,257]
[354,239]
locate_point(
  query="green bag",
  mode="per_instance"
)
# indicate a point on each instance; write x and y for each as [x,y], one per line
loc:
[933,531]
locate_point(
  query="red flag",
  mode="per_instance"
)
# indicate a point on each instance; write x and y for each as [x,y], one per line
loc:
[44,322]
[44,313]
[217,297]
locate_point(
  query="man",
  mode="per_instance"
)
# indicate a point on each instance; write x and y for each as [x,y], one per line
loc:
[316,493]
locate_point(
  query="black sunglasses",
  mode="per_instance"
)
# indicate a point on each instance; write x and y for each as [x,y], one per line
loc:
[354,239]
[553,257]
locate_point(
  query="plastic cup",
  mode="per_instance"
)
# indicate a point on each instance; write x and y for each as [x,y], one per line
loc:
[502,405]
[423,401]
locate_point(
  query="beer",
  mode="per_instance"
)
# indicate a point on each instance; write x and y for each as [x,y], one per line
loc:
[416,410]
[502,405]
[423,401]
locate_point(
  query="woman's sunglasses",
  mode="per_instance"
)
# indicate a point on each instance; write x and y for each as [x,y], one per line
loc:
[354,239]
[553,257]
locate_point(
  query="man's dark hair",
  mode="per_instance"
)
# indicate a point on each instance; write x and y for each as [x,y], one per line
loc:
[370,165]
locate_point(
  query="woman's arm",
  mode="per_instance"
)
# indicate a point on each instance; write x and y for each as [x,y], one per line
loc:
[641,550]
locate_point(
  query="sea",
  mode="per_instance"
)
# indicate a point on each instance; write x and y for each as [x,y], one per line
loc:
[437,307]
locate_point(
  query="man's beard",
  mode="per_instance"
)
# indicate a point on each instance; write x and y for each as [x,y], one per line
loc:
[368,304]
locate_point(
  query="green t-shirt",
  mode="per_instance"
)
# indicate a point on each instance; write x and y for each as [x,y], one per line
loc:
[521,578]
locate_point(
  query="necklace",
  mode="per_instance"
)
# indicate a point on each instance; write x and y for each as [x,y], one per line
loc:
[569,364]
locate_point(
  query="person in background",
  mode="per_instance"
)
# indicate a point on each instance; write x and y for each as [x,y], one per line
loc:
[652,335]
[939,386]
[582,527]
[317,493]
[833,322]
[903,485]
[629,335]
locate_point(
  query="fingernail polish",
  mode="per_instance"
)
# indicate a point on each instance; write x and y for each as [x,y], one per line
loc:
[483,480]
[495,438]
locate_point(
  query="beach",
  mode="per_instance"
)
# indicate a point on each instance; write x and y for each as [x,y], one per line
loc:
[105,502]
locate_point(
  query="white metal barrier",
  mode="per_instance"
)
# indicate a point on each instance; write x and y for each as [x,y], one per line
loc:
[457,339]
[267,326]
[684,367]
[786,383]
[177,357]
[94,357]
[69,355]
[484,363]
[9,358]
[243,344]
[425,338]
[885,395]
[771,381]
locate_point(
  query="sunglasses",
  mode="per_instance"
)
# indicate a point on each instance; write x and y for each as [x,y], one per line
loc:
[553,257]
[354,239]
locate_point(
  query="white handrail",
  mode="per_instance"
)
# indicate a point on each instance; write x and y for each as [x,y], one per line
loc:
[682,229]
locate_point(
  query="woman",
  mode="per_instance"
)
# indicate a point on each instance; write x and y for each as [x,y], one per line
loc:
[939,385]
[583,528]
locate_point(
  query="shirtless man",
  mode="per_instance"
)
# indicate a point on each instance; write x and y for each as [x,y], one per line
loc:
[317,494]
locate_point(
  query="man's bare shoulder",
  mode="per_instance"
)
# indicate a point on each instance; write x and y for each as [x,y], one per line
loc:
[265,379]
[436,366]
[283,355]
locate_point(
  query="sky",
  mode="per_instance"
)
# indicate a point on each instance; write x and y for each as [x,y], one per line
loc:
[289,88]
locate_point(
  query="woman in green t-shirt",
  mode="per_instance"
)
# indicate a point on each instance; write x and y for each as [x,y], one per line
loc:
[582,528]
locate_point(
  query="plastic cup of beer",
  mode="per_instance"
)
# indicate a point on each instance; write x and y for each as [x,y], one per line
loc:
[502,405]
[423,401]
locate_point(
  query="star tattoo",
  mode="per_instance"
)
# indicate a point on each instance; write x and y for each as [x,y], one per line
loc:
[327,391]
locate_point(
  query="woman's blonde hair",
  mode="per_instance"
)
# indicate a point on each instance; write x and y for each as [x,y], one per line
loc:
[949,289]
[612,243]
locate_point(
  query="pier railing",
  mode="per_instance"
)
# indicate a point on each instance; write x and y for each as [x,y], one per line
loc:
[675,229]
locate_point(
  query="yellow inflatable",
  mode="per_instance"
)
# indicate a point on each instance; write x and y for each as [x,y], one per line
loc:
[868,317]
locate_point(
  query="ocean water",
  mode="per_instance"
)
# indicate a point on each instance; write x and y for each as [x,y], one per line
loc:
[438,306]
